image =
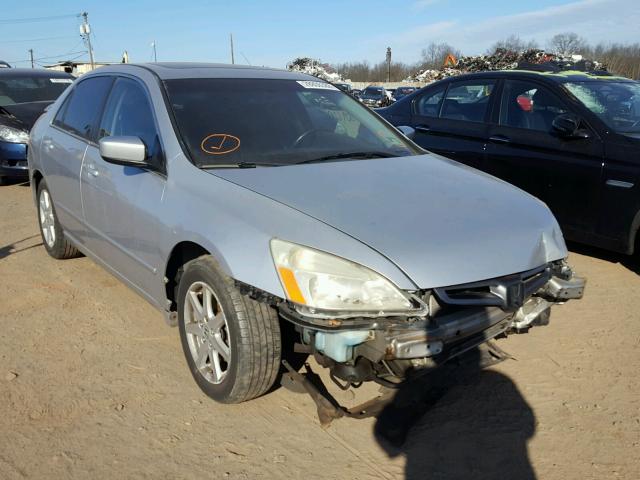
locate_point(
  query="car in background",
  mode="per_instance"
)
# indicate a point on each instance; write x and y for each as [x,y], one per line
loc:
[24,95]
[356,92]
[345,87]
[243,201]
[572,139]
[402,92]
[4,64]
[374,96]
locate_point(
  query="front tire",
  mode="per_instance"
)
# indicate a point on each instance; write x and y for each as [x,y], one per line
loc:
[53,239]
[231,342]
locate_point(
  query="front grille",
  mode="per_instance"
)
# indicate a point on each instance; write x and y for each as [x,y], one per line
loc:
[508,292]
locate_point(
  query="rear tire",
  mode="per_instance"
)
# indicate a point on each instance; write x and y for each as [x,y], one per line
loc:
[53,239]
[231,342]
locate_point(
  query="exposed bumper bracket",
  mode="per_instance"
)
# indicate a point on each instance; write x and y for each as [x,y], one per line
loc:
[560,289]
[328,408]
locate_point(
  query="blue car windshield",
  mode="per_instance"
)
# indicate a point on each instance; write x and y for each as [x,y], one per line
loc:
[616,103]
[16,89]
[225,122]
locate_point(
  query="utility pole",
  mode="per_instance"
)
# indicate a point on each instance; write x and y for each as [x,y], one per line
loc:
[388,64]
[31,55]
[155,55]
[232,57]
[85,33]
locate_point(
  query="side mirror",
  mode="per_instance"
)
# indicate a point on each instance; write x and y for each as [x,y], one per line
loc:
[568,125]
[129,151]
[408,132]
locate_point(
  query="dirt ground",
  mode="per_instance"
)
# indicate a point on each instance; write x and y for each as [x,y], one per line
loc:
[94,385]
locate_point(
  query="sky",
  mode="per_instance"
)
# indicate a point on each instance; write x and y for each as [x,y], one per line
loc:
[272,33]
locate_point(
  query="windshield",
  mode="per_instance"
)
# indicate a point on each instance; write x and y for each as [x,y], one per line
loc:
[616,103]
[226,122]
[372,93]
[25,89]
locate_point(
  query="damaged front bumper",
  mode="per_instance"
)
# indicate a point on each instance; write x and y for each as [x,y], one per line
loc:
[458,318]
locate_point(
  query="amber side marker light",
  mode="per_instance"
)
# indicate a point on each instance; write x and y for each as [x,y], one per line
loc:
[291,285]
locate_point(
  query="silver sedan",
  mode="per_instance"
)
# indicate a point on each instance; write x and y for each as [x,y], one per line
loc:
[244,203]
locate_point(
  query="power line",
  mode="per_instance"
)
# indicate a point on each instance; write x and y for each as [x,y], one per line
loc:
[37,19]
[69,59]
[82,52]
[37,39]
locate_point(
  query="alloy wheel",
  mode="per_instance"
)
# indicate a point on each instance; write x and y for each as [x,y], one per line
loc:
[47,218]
[207,332]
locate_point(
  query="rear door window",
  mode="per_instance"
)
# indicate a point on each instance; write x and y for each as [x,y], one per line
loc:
[428,103]
[80,111]
[467,101]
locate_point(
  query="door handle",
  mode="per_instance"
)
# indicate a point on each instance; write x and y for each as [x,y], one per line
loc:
[619,183]
[423,128]
[499,139]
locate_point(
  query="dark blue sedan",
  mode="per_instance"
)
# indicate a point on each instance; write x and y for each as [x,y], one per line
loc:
[24,94]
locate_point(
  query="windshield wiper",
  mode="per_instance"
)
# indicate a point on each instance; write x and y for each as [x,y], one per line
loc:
[242,165]
[356,155]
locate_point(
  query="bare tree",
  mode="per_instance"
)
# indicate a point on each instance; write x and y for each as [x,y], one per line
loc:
[513,43]
[434,55]
[623,60]
[363,72]
[567,43]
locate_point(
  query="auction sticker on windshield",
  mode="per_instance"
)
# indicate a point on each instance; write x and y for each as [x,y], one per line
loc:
[317,85]
[220,144]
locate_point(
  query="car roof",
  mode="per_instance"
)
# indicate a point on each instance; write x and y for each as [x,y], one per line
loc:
[178,70]
[559,77]
[33,72]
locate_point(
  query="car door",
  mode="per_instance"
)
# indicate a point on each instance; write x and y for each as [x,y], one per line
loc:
[63,148]
[525,150]
[452,119]
[123,204]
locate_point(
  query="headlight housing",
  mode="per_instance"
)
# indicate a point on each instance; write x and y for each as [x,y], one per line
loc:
[13,135]
[324,285]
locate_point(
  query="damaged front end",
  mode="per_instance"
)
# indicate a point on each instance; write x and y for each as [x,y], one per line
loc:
[446,323]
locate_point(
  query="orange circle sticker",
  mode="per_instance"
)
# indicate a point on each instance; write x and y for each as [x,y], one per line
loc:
[220,144]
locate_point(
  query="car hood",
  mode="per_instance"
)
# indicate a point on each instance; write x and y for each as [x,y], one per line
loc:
[439,221]
[27,113]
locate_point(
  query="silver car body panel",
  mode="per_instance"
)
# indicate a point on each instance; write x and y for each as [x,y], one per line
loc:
[420,221]
[439,221]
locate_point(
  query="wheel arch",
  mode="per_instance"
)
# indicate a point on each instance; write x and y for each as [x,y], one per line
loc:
[36,178]
[634,239]
[181,253]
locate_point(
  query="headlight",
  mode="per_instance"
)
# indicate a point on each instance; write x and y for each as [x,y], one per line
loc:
[316,280]
[13,135]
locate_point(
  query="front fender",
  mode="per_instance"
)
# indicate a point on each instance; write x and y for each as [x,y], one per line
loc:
[236,225]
